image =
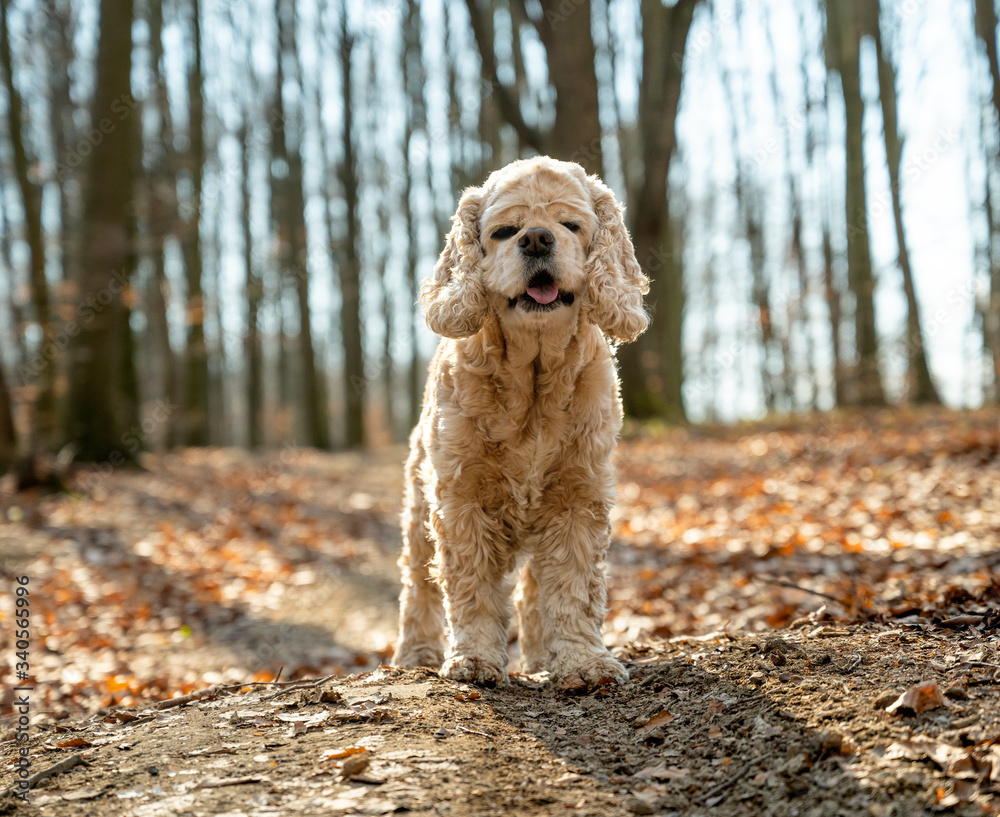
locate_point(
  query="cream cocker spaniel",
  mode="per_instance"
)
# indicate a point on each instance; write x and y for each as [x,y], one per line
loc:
[510,464]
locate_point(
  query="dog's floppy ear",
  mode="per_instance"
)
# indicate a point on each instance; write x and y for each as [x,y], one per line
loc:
[453,298]
[615,281]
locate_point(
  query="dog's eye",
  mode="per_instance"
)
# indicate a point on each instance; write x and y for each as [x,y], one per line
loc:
[572,226]
[500,233]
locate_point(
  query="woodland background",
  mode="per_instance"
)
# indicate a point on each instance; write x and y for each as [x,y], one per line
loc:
[215,213]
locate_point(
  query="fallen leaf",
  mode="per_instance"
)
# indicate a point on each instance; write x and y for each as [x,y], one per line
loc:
[347,751]
[961,621]
[78,741]
[920,698]
[660,719]
[956,762]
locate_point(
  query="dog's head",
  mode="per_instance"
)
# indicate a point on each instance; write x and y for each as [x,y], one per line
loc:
[540,243]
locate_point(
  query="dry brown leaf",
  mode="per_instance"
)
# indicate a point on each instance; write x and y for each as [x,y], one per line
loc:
[920,698]
[347,751]
[957,762]
[77,741]
[661,718]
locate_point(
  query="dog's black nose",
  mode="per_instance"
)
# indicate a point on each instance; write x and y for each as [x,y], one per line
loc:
[536,242]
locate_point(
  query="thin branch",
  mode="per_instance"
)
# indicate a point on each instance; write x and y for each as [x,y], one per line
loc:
[509,106]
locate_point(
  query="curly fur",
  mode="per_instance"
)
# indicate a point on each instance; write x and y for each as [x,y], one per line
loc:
[510,465]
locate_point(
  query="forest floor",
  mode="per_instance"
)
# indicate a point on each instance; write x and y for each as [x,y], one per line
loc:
[809,612]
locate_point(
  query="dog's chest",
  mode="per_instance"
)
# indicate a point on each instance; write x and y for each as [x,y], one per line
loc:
[529,442]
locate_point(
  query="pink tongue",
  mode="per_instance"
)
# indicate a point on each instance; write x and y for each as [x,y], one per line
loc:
[544,295]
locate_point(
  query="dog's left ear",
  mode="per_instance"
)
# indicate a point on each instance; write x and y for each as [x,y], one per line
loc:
[616,283]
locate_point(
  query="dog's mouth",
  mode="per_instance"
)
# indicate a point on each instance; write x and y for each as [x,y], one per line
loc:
[542,294]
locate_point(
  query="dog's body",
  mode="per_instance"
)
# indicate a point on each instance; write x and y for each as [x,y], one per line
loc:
[510,462]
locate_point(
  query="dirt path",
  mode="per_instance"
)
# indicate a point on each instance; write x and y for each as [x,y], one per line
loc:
[774,590]
[784,726]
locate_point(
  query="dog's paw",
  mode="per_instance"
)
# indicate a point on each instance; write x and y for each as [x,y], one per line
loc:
[474,670]
[418,656]
[593,672]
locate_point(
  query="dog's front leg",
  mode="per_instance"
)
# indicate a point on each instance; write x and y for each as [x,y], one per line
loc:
[475,564]
[568,566]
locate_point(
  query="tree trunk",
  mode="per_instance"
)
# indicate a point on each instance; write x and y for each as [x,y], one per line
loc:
[8,436]
[569,48]
[254,294]
[161,192]
[986,30]
[355,384]
[656,390]
[291,233]
[506,97]
[416,121]
[921,386]
[844,31]
[196,353]
[103,400]
[43,363]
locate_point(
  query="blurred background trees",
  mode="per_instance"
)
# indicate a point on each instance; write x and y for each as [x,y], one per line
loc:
[215,214]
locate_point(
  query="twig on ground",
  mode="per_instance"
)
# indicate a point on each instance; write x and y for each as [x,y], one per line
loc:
[220,782]
[653,678]
[63,765]
[793,586]
[729,781]
[181,700]
[219,688]
[473,731]
[300,684]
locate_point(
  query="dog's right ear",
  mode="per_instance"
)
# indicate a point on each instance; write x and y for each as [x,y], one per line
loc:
[453,298]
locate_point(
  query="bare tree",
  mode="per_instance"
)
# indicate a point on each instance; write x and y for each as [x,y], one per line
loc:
[845,21]
[196,385]
[416,122]
[986,31]
[289,215]
[8,435]
[921,386]
[657,389]
[44,420]
[349,266]
[103,397]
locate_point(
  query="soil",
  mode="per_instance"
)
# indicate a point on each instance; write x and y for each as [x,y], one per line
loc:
[808,614]
[789,725]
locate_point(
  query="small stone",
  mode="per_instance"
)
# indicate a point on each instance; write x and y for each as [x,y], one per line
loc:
[956,693]
[637,806]
[831,741]
[756,678]
[355,765]
[884,699]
